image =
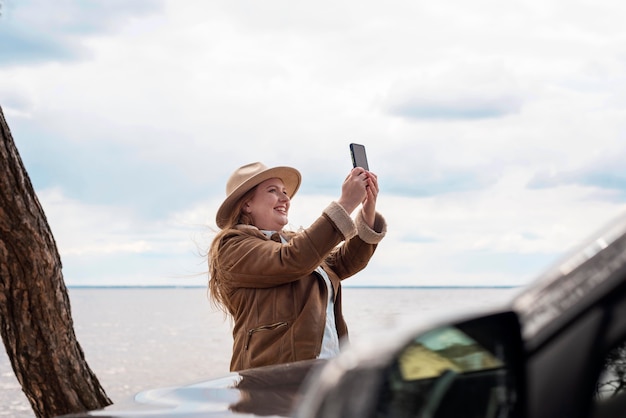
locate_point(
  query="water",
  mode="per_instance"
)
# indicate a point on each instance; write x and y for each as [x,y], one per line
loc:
[136,339]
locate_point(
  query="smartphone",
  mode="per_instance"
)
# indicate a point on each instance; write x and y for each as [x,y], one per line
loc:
[359,158]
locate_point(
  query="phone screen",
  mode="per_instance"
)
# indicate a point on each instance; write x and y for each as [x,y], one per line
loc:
[359,158]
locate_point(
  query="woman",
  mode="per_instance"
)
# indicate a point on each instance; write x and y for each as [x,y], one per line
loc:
[283,288]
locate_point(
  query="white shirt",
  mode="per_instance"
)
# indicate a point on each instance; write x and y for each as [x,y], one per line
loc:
[330,342]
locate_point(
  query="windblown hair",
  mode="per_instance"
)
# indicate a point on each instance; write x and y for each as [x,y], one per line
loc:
[218,289]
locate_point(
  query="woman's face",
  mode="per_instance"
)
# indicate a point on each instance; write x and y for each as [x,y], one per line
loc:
[269,205]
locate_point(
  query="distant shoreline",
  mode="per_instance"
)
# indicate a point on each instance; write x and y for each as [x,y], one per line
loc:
[345,287]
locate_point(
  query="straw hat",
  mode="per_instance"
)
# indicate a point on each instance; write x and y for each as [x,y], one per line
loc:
[249,176]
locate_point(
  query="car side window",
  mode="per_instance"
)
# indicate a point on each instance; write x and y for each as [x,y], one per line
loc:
[610,394]
[612,381]
[445,373]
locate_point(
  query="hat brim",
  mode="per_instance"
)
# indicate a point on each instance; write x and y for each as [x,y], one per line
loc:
[290,177]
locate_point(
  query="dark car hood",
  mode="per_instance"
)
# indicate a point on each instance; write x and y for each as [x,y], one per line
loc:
[264,391]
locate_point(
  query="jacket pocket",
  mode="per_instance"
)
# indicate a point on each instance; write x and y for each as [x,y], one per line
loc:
[263,328]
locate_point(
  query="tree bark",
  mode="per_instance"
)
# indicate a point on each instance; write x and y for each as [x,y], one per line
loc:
[35,317]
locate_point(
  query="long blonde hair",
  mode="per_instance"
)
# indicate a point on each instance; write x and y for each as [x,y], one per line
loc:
[218,290]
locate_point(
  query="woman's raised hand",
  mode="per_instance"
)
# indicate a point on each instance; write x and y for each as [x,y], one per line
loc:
[354,190]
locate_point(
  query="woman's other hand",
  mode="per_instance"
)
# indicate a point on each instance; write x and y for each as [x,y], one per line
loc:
[369,204]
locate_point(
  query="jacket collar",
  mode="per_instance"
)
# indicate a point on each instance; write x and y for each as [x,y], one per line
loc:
[273,235]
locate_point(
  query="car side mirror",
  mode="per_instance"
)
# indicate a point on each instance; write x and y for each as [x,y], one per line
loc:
[473,368]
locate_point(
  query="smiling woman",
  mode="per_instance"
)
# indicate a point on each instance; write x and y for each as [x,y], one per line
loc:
[283,289]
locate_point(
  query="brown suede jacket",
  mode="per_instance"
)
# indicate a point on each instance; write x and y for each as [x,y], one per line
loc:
[277,300]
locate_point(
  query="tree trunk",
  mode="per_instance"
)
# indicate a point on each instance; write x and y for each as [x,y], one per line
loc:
[35,317]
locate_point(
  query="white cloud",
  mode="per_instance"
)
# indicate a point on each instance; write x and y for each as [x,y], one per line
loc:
[96,239]
[171,101]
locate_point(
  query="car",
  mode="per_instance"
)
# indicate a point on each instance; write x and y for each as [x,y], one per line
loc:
[556,350]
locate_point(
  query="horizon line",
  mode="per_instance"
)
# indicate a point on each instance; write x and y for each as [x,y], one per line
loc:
[100,286]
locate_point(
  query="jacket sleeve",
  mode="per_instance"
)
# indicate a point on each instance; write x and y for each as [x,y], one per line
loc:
[249,259]
[354,255]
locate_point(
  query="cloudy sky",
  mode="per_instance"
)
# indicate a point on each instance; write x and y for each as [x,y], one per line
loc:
[496,128]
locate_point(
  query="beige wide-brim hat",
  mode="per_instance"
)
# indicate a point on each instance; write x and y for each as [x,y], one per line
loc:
[249,176]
